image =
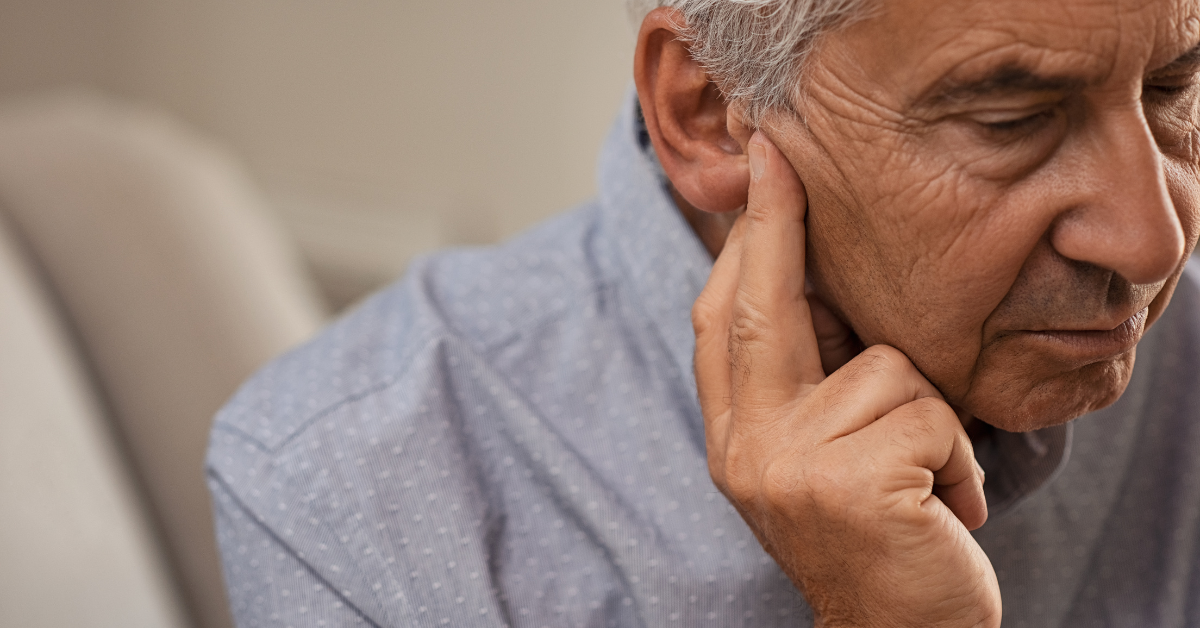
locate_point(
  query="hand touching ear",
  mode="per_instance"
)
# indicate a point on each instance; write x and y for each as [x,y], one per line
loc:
[836,341]
[861,484]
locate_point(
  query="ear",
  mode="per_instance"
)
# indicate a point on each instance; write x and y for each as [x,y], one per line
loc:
[699,140]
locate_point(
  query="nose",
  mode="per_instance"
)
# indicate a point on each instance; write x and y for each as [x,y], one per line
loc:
[1121,217]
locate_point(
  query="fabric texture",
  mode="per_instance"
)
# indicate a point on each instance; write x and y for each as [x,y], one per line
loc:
[510,436]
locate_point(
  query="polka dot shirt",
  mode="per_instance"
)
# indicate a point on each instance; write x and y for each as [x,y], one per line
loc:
[510,437]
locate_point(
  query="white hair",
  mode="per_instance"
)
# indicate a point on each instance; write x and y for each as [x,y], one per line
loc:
[755,49]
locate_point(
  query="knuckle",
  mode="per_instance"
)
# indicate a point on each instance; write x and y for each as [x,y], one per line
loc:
[884,358]
[779,481]
[757,213]
[748,324]
[706,317]
[962,440]
[925,417]
[739,489]
[935,412]
[929,409]
[784,483]
[813,493]
[738,477]
[888,366]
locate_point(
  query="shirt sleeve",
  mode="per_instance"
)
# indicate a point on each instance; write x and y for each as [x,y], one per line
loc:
[268,585]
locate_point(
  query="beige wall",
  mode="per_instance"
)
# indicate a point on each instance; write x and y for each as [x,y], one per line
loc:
[378,128]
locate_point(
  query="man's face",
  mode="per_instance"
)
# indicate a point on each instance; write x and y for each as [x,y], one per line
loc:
[1005,190]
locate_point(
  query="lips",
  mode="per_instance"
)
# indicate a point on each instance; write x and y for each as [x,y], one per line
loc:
[1094,345]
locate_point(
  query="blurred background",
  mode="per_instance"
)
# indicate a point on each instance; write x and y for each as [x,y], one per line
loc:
[376,128]
[188,188]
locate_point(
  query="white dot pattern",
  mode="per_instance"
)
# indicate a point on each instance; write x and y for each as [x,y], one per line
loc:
[509,437]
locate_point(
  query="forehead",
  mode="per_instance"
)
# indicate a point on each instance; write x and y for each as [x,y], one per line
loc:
[905,46]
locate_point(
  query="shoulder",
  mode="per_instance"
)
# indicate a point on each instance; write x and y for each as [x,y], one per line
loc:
[477,298]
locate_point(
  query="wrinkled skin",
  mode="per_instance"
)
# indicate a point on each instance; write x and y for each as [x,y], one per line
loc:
[996,197]
[994,235]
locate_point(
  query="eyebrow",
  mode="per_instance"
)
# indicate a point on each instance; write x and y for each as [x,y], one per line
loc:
[1016,79]
[1009,79]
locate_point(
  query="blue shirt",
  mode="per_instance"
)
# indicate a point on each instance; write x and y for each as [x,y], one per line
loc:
[510,437]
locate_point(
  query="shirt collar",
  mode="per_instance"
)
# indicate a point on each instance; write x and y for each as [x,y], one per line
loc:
[664,262]
[1019,463]
[667,266]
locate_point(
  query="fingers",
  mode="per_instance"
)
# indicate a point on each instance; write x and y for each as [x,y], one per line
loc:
[872,384]
[773,347]
[959,483]
[710,319]
[926,435]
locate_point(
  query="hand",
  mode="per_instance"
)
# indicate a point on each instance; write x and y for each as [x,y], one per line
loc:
[863,484]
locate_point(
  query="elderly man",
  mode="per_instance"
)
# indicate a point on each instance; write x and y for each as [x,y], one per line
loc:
[941,229]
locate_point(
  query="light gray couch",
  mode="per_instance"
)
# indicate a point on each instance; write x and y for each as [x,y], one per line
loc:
[141,279]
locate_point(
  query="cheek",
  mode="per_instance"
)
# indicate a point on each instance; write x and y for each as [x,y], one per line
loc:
[917,255]
[1183,184]
[918,228]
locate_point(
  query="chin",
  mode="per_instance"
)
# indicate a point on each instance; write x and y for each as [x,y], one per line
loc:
[1020,404]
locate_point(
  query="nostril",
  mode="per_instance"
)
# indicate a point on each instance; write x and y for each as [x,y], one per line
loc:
[1144,247]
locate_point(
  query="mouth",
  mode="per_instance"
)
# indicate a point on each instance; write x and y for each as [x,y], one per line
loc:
[1094,345]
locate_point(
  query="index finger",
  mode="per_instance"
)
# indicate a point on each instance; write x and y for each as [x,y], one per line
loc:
[773,347]
[711,315]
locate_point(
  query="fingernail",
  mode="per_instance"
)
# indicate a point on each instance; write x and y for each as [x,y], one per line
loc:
[982,475]
[758,160]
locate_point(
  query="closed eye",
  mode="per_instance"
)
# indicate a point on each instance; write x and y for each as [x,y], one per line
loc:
[1007,126]
[1165,90]
[1168,87]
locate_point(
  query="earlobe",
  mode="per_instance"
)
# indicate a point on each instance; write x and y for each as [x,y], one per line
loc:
[688,119]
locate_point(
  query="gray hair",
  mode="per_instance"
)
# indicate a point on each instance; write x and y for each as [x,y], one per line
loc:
[755,49]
